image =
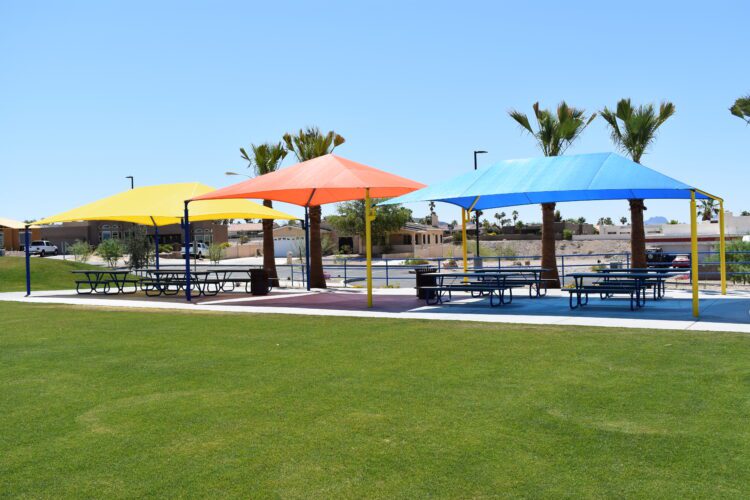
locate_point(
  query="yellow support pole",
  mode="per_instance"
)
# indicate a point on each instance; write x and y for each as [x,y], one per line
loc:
[694,252]
[722,250]
[369,217]
[464,249]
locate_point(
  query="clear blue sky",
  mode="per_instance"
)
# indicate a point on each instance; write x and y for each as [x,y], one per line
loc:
[168,91]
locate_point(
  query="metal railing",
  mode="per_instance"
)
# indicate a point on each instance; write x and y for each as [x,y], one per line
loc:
[392,272]
[351,272]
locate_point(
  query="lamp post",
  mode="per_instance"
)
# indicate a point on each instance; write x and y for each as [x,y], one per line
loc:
[477,260]
[132,185]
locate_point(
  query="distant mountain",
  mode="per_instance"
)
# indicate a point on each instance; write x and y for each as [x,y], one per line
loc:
[653,221]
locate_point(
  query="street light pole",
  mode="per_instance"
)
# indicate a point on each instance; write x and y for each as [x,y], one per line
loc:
[132,185]
[477,211]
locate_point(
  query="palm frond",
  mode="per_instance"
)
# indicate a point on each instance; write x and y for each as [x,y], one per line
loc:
[522,120]
[741,108]
[633,130]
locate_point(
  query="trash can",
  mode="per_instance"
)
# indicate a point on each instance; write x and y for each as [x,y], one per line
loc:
[259,282]
[423,280]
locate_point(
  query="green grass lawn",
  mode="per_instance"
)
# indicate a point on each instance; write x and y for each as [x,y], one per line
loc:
[46,274]
[97,403]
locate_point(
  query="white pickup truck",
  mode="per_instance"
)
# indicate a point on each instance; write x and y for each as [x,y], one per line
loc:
[199,250]
[42,248]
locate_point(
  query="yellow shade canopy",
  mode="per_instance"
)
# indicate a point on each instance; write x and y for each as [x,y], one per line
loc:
[163,205]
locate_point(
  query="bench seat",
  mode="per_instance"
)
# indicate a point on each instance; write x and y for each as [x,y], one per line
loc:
[436,292]
[606,290]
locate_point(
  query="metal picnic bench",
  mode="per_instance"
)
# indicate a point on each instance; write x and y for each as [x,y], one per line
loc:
[493,284]
[661,274]
[617,282]
[102,280]
[207,282]
[524,276]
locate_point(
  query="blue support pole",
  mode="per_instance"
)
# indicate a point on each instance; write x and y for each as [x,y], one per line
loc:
[156,245]
[307,248]
[28,260]
[156,242]
[186,228]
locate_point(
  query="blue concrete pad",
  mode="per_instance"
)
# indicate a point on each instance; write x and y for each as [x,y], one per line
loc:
[677,306]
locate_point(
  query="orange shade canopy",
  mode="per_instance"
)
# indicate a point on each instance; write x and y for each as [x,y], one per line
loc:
[325,179]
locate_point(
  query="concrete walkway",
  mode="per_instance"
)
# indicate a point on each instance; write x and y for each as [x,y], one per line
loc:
[729,313]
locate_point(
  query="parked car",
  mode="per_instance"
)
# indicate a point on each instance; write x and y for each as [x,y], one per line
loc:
[657,258]
[42,248]
[199,250]
[682,261]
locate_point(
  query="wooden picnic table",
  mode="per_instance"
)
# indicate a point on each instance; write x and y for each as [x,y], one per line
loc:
[101,281]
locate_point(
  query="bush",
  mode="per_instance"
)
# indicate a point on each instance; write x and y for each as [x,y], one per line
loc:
[138,247]
[736,261]
[567,234]
[81,251]
[166,248]
[415,262]
[326,245]
[216,252]
[110,250]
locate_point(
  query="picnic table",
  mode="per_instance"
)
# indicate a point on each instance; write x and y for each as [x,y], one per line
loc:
[102,281]
[208,282]
[524,276]
[171,281]
[658,284]
[493,284]
[617,282]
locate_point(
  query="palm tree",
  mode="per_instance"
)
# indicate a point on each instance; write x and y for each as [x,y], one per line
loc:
[555,133]
[708,209]
[266,158]
[306,145]
[741,108]
[623,220]
[633,130]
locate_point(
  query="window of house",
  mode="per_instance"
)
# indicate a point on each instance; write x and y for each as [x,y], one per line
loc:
[406,239]
[109,231]
[203,235]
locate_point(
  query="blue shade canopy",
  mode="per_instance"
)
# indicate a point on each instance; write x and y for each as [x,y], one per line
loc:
[599,176]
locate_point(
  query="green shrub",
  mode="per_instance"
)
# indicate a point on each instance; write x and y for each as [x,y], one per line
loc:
[81,251]
[415,262]
[216,252]
[735,261]
[138,247]
[110,250]
[166,248]
[567,234]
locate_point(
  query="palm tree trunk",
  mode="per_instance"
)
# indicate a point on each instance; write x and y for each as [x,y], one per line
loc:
[637,235]
[549,260]
[269,260]
[317,280]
